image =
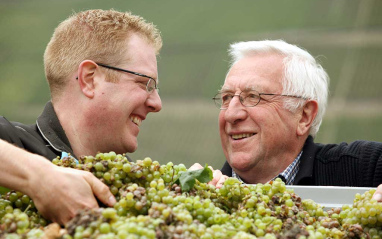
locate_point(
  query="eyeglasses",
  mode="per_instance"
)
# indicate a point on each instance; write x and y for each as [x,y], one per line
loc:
[151,84]
[248,98]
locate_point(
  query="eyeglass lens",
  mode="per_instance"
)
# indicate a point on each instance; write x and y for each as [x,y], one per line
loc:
[247,98]
[151,85]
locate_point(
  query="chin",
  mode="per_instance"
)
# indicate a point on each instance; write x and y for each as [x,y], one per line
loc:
[131,148]
[241,164]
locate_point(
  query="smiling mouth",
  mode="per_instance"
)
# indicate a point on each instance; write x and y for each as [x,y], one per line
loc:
[136,120]
[241,136]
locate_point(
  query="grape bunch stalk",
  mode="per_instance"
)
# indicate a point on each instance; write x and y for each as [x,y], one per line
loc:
[168,201]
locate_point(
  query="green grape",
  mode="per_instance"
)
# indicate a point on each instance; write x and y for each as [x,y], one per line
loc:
[13,197]
[126,167]
[118,183]
[138,174]
[107,176]
[99,167]
[109,213]
[25,199]
[147,162]
[113,190]
[104,228]
[56,161]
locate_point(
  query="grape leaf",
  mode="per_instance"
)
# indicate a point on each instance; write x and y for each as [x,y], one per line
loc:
[186,180]
[4,190]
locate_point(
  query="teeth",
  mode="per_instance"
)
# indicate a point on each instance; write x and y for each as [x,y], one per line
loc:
[241,136]
[136,120]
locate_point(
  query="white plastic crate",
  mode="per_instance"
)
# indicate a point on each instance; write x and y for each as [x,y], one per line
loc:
[329,196]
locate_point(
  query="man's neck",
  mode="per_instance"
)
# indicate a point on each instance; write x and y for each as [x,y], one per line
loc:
[71,118]
[269,168]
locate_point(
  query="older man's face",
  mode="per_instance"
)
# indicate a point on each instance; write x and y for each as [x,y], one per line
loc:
[255,136]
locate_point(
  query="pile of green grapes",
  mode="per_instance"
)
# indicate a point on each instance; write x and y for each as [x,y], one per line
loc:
[167,201]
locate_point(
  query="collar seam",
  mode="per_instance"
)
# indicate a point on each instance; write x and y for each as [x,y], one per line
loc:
[51,144]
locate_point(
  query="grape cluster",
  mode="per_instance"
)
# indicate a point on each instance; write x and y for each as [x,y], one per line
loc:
[365,212]
[11,204]
[151,205]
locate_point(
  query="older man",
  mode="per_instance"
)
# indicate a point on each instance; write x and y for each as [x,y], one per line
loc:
[102,72]
[271,107]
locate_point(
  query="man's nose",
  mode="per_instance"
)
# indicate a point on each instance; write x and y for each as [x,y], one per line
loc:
[154,102]
[235,111]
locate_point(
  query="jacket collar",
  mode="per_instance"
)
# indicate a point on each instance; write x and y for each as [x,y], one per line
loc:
[305,173]
[52,131]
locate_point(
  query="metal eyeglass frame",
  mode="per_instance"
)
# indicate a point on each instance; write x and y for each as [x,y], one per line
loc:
[218,101]
[134,73]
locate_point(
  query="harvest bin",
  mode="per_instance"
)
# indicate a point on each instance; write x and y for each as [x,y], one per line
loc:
[329,196]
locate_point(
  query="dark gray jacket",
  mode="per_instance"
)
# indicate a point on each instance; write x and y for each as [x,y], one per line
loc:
[46,137]
[358,164]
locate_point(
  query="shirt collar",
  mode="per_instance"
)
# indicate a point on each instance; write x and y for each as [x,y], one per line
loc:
[52,131]
[288,175]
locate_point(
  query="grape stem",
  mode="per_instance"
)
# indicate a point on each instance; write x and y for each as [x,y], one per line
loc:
[173,173]
[26,209]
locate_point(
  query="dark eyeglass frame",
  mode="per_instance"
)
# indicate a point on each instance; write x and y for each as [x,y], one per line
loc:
[218,101]
[134,73]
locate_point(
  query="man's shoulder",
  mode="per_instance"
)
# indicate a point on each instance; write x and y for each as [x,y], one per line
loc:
[25,136]
[356,149]
[226,169]
[5,124]
[10,131]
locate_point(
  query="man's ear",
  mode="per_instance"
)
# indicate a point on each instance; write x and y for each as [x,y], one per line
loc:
[308,114]
[86,77]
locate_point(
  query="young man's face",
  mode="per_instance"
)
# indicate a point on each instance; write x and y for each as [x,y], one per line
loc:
[121,107]
[252,136]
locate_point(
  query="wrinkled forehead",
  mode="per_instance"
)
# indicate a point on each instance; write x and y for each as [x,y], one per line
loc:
[249,87]
[259,84]
[260,72]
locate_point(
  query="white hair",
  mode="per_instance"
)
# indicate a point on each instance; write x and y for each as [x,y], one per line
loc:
[303,76]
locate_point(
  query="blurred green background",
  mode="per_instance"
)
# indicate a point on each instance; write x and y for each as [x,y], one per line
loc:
[345,35]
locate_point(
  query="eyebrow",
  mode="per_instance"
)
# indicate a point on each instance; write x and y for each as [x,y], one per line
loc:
[247,88]
[225,90]
[148,77]
[152,78]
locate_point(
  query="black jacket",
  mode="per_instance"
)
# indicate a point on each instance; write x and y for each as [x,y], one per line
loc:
[46,137]
[358,164]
